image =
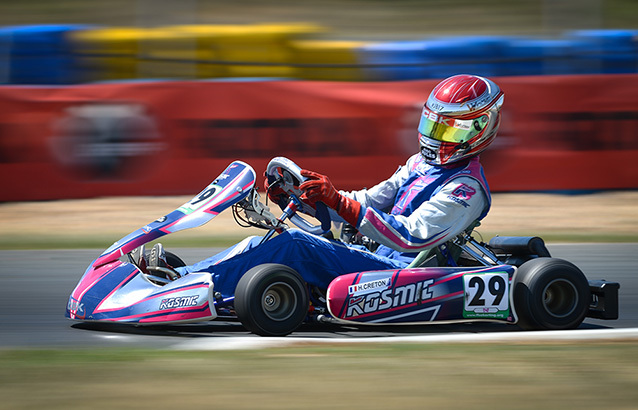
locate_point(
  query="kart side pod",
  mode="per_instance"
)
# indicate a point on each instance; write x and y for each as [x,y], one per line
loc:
[423,295]
[542,294]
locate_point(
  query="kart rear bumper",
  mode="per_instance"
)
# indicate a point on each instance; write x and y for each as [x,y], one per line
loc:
[604,300]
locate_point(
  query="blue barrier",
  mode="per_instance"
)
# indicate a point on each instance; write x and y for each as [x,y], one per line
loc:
[605,51]
[585,52]
[531,56]
[39,54]
[401,60]
[578,52]
[433,58]
[456,55]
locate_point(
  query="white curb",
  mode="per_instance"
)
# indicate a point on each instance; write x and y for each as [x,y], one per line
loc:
[246,343]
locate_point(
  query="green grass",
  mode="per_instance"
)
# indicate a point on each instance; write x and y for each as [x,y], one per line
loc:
[406,376]
[19,242]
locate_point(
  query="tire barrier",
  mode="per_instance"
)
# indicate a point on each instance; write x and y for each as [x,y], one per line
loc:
[73,54]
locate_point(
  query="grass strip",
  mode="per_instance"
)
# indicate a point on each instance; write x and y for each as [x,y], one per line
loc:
[497,376]
[97,242]
[16,242]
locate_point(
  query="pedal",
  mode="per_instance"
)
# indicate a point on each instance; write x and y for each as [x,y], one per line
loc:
[138,258]
[157,256]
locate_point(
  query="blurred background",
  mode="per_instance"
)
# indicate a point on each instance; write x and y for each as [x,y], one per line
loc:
[73,41]
[113,98]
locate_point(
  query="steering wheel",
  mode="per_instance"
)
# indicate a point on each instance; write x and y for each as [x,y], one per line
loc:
[287,176]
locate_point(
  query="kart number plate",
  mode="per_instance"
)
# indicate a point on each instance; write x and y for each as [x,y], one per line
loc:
[200,200]
[486,295]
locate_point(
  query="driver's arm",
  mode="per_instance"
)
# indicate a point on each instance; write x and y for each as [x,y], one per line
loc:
[382,195]
[317,187]
[434,222]
[345,206]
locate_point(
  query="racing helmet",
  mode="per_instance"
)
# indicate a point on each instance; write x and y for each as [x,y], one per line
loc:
[459,119]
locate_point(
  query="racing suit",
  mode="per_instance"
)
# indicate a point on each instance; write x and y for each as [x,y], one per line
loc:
[419,207]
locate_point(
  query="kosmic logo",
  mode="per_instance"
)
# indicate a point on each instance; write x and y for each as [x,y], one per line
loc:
[390,298]
[178,302]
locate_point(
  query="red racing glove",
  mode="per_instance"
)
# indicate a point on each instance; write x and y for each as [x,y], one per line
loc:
[318,188]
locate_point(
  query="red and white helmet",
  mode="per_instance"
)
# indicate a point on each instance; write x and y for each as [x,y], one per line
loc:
[459,119]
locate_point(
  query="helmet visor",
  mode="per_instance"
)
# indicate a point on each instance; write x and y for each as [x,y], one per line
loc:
[447,129]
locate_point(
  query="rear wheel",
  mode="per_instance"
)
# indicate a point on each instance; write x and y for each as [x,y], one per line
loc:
[550,294]
[271,300]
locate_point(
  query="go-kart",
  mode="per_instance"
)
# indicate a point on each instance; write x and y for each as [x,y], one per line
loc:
[510,279]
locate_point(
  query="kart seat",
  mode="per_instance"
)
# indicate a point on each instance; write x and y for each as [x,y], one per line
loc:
[445,253]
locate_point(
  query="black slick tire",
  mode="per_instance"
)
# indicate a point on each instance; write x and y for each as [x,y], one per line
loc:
[550,294]
[271,300]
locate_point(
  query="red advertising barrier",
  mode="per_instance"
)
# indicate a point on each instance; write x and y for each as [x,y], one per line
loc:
[169,138]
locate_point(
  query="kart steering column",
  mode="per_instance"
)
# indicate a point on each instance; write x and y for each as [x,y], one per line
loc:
[293,205]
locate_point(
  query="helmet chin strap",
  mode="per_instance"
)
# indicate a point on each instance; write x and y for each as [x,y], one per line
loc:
[459,147]
[462,147]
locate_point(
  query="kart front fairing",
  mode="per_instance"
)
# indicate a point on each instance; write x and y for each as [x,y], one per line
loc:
[119,292]
[116,290]
[233,185]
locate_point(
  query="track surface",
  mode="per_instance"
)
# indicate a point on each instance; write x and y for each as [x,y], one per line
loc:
[36,285]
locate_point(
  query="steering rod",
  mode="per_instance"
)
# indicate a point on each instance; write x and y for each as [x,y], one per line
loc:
[291,208]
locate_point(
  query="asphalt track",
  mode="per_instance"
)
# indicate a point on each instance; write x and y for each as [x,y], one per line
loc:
[35,286]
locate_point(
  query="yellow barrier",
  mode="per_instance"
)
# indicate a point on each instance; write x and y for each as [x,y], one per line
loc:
[108,53]
[190,51]
[238,50]
[327,60]
[172,53]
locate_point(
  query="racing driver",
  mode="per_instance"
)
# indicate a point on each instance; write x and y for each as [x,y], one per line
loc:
[437,194]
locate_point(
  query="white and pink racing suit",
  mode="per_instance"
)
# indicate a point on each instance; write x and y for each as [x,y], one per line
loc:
[422,206]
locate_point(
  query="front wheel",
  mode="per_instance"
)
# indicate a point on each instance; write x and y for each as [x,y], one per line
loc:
[271,300]
[550,294]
